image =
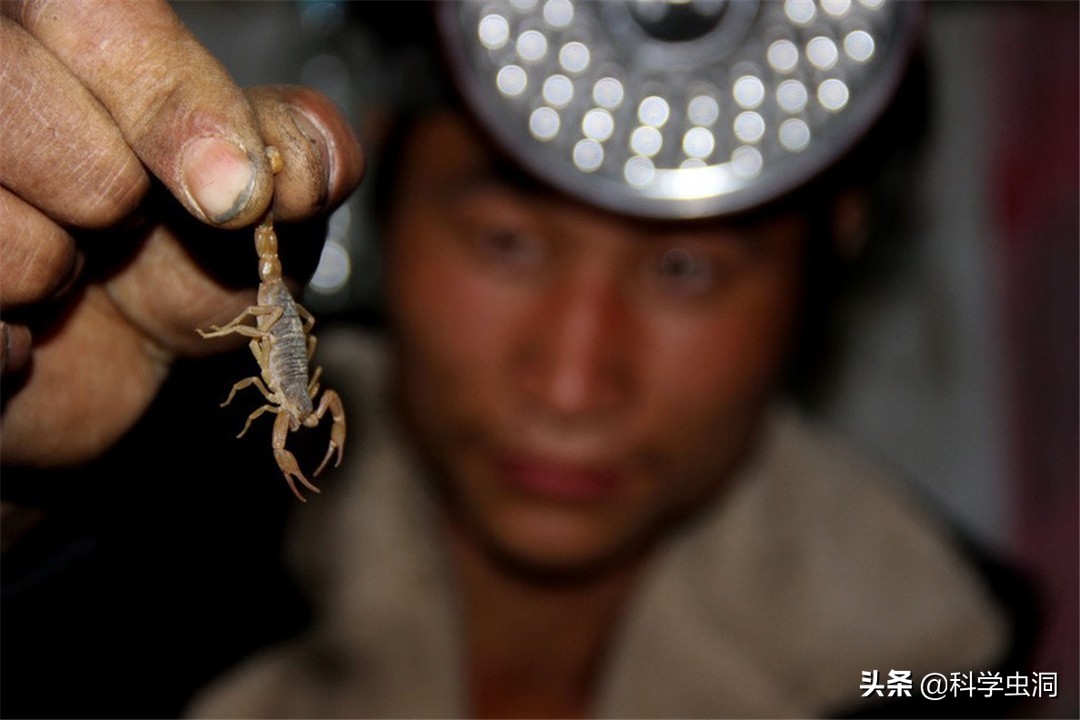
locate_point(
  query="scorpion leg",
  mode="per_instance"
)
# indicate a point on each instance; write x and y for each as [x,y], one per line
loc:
[237,326]
[219,330]
[258,411]
[330,401]
[216,331]
[258,383]
[309,322]
[286,460]
[260,348]
[313,386]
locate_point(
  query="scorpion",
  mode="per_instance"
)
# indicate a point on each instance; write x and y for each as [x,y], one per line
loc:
[283,346]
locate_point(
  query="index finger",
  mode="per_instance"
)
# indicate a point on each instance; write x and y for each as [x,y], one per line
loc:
[174,103]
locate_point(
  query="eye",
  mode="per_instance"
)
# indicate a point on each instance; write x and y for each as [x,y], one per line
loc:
[510,247]
[683,272]
[678,264]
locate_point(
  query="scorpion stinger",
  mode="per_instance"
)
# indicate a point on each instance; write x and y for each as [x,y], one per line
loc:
[283,345]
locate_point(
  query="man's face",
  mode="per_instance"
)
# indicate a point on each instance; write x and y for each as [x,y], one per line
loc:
[576,378]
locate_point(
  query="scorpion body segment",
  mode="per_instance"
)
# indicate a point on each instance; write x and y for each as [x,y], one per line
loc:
[283,345]
[287,356]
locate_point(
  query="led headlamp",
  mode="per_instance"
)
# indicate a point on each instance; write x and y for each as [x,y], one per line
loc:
[678,108]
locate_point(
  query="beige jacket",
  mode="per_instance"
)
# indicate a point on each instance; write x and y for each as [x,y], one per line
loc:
[811,571]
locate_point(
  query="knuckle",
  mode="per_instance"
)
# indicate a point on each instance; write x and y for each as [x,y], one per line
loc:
[180,92]
[29,11]
[61,150]
[157,101]
[113,185]
[20,10]
[89,189]
[35,268]
[119,186]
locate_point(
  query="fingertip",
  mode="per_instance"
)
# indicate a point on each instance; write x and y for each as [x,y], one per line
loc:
[15,342]
[322,158]
[320,117]
[344,158]
[225,184]
[40,258]
[306,187]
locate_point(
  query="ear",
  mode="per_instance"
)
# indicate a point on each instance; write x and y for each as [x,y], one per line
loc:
[850,223]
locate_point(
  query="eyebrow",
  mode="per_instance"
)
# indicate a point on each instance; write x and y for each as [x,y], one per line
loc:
[498,171]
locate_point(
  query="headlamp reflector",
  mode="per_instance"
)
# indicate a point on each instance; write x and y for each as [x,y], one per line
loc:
[670,108]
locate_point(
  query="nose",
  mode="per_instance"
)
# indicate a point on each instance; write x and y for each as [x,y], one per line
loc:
[575,360]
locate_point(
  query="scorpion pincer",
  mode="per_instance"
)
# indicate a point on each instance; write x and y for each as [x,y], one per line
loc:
[283,346]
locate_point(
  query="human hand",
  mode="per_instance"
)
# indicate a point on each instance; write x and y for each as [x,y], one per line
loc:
[104,105]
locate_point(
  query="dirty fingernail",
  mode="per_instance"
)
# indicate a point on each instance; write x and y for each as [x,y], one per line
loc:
[14,347]
[312,133]
[218,176]
[318,136]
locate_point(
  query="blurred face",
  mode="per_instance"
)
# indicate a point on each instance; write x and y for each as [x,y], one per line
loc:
[576,379]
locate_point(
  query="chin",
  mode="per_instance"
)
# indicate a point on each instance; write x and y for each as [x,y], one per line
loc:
[557,544]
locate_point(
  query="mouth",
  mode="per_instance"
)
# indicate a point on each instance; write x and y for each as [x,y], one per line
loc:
[561,481]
